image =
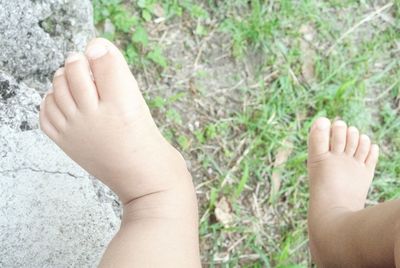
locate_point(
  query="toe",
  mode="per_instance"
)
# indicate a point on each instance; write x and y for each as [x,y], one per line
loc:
[53,113]
[338,133]
[318,142]
[62,95]
[363,148]
[111,73]
[45,124]
[352,140]
[80,82]
[372,157]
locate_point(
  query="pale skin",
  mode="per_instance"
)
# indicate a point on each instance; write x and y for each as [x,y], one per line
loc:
[342,232]
[97,115]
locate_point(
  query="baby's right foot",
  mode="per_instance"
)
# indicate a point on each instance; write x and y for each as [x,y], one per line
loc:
[341,166]
[98,116]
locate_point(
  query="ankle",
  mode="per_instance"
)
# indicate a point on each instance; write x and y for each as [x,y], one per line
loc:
[177,202]
[155,169]
[173,196]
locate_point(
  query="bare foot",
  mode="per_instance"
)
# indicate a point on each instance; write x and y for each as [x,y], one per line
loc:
[98,116]
[341,167]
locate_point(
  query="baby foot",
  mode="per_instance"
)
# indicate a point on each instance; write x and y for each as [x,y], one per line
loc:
[341,167]
[98,116]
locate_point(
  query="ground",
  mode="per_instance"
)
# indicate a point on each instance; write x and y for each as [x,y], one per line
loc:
[235,86]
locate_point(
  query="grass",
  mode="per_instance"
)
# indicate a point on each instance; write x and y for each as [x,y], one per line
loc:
[236,86]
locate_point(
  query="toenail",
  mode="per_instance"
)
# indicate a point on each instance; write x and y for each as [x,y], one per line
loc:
[323,124]
[364,137]
[340,123]
[59,72]
[97,51]
[353,129]
[73,57]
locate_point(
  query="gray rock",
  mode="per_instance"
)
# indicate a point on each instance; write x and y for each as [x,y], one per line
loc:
[52,213]
[19,104]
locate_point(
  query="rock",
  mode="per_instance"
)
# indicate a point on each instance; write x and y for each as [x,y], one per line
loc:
[36,35]
[52,213]
[19,104]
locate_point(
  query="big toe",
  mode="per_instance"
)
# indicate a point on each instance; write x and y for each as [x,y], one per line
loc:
[111,73]
[319,137]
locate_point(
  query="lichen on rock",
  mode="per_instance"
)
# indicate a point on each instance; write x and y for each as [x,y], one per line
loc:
[36,35]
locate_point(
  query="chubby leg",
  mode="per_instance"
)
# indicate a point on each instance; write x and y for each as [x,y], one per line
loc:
[97,115]
[157,230]
[342,233]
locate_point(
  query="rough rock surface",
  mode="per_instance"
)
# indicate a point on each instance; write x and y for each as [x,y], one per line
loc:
[35,35]
[19,104]
[52,213]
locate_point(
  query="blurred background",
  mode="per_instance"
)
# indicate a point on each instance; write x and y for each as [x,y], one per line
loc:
[235,86]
